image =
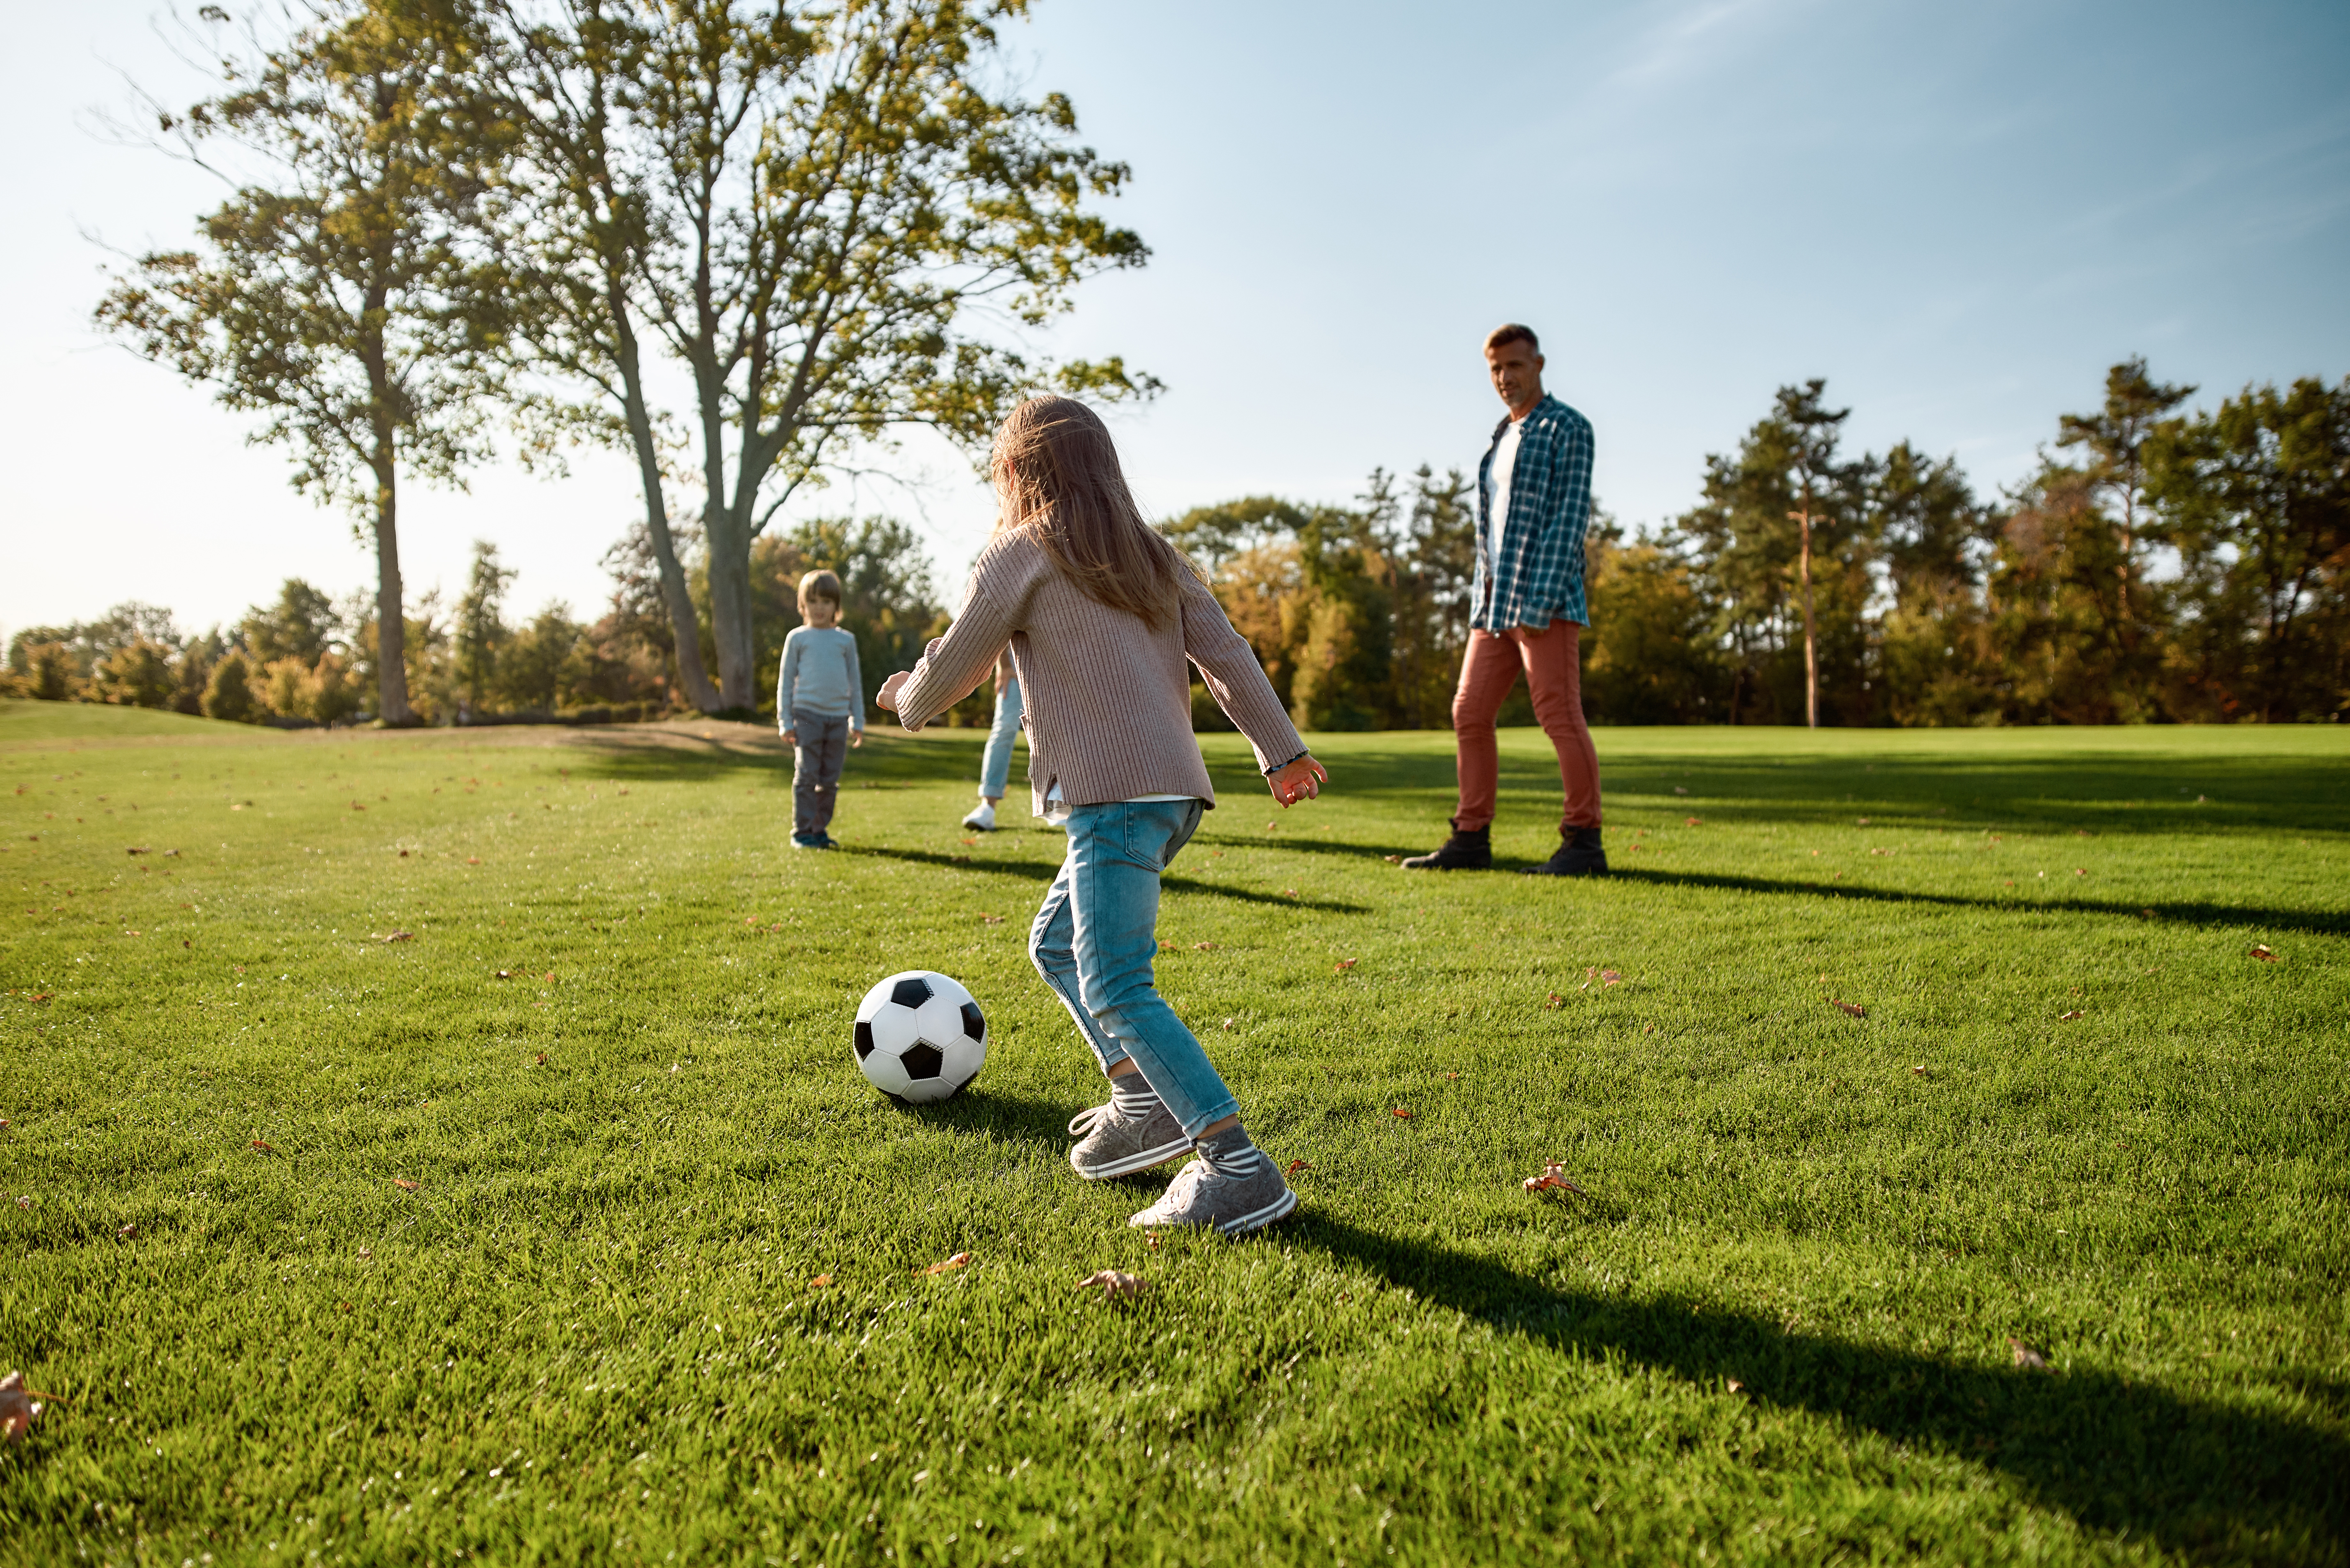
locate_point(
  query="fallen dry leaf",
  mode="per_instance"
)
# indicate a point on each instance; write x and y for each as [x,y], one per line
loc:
[1918,1071]
[1695,821]
[403,1184]
[1289,892]
[2068,1017]
[818,1283]
[473,860]
[357,807]
[540,1060]
[506,975]
[1554,1173]
[1855,1009]
[1394,859]
[1400,1115]
[1863,822]
[1609,977]
[128,1231]
[365,1253]
[26,1201]
[1114,1283]
[992,920]
[1452,1075]
[264,1148]
[950,1265]
[1232,1023]
[1679,789]
[2027,1356]
[39,996]
[1556,1000]
[2261,950]
[2080,871]
[1295,1166]
[1732,1383]
[394,936]
[1151,1237]
[140,849]
[1346,965]
[18,1405]
[550,977]
[1203,947]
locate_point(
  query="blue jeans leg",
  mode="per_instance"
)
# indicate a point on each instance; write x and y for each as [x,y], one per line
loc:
[1052,948]
[997,767]
[1116,854]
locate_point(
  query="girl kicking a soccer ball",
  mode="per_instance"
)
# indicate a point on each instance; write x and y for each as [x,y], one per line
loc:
[1103,618]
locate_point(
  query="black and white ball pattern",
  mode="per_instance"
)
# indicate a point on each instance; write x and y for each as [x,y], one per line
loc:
[920,1036]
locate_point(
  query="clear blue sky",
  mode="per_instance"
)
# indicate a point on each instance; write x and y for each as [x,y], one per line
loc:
[1959,214]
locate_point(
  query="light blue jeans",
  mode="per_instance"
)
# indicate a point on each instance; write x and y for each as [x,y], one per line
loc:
[1093,940]
[997,767]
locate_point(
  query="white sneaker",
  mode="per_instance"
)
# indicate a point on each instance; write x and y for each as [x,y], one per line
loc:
[982,817]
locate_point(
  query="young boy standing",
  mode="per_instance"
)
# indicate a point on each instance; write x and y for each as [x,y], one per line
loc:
[819,707]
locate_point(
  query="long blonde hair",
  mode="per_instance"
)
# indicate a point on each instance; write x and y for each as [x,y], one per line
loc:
[1057,472]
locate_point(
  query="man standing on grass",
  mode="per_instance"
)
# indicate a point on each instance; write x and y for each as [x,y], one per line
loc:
[1526,610]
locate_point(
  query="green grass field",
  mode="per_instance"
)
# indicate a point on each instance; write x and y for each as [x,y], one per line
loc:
[2080,1112]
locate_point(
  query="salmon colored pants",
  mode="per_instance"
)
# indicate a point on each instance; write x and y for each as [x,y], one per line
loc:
[1552,657]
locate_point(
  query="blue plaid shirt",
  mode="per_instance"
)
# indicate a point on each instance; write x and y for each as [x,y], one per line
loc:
[1532,574]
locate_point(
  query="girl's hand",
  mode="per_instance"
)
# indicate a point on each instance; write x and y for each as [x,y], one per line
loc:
[886,698]
[1300,780]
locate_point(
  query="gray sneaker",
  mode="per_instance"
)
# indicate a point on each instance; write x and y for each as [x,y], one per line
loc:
[1110,1145]
[1234,1205]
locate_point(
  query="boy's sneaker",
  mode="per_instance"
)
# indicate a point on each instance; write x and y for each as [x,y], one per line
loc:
[1468,849]
[1111,1145]
[1578,855]
[1234,1205]
[807,841]
[827,841]
[982,817]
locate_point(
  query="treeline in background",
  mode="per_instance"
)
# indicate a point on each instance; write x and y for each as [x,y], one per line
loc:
[2159,566]
[309,657]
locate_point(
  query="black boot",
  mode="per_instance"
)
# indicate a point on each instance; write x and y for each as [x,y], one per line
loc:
[1468,849]
[1578,855]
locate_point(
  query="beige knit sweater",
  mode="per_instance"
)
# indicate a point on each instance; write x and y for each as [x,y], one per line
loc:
[1108,701]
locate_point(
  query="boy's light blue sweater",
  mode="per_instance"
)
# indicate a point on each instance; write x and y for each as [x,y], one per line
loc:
[820,676]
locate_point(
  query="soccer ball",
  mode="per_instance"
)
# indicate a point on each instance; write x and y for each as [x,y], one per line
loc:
[920,1036]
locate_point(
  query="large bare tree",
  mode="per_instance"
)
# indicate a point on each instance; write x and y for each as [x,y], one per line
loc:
[816,221]
[334,294]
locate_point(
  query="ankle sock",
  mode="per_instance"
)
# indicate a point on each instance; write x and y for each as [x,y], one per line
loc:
[1230,1153]
[1133,1097]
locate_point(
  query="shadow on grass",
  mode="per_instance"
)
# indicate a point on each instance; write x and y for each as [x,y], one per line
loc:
[1043,871]
[2320,921]
[2198,1476]
[990,1113]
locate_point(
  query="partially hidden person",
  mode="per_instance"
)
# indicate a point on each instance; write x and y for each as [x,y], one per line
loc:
[819,707]
[1105,617]
[995,764]
[1527,612]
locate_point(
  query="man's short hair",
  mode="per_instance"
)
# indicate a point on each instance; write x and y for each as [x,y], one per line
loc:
[820,586]
[1512,332]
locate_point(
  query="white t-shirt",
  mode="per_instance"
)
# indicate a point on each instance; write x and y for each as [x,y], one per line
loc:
[1505,463]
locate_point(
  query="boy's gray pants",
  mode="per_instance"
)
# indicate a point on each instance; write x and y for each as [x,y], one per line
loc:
[816,769]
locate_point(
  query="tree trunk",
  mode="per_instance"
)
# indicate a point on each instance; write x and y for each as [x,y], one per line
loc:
[1811,636]
[675,595]
[391,613]
[730,609]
